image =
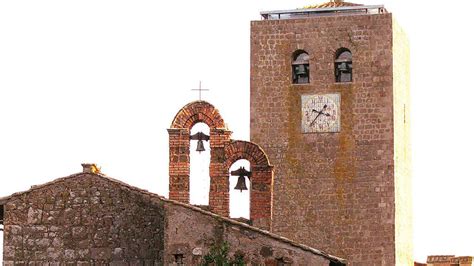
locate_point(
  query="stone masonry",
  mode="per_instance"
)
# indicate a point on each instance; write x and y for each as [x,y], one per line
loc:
[347,192]
[82,219]
[91,219]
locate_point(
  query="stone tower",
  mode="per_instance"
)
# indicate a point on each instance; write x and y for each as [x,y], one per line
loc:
[329,103]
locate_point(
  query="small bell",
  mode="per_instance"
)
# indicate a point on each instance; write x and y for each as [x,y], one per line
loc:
[242,173]
[200,146]
[199,137]
[241,184]
[343,67]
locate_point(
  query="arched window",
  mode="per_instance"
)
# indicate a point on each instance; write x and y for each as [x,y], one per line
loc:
[343,65]
[200,158]
[240,186]
[300,67]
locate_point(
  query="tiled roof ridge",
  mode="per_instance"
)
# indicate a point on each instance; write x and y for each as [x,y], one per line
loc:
[3,200]
[332,4]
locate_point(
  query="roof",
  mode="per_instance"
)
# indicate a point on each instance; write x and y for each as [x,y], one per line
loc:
[332,4]
[154,196]
[325,9]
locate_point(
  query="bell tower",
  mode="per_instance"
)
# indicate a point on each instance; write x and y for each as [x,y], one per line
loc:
[224,152]
[329,103]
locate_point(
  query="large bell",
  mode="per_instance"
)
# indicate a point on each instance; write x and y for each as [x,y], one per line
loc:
[241,184]
[200,146]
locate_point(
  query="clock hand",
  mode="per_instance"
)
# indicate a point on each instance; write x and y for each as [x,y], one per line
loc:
[314,120]
[319,113]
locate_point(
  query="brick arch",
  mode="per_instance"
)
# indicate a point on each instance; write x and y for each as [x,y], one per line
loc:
[240,149]
[296,49]
[261,189]
[337,51]
[224,152]
[179,154]
[195,112]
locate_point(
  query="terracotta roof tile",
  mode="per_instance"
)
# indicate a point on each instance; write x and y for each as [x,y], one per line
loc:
[332,5]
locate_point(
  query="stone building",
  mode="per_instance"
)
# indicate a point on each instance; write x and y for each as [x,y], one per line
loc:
[329,163]
[329,104]
[90,219]
[447,260]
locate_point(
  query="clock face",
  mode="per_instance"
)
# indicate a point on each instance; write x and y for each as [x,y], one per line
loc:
[320,113]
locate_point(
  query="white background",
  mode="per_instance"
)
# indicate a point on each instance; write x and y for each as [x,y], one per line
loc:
[100,81]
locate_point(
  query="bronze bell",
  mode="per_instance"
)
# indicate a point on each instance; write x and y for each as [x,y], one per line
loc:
[241,184]
[342,66]
[199,137]
[242,173]
[300,69]
[200,146]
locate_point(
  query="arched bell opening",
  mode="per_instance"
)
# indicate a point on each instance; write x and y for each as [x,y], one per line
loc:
[240,177]
[200,158]
[208,174]
[343,65]
[300,67]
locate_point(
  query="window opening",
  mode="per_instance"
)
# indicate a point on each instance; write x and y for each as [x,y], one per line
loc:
[178,259]
[239,197]
[200,159]
[343,66]
[300,67]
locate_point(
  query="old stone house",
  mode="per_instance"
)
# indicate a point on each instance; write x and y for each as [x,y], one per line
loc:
[91,219]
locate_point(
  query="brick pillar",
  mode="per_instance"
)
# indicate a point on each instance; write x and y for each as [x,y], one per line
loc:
[261,194]
[219,187]
[179,164]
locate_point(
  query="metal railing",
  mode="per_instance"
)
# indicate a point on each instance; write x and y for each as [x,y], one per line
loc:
[300,13]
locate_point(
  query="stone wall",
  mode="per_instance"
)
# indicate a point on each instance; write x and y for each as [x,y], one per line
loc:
[83,220]
[90,219]
[192,232]
[334,191]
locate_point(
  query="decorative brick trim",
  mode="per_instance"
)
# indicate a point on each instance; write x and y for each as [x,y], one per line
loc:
[240,149]
[195,112]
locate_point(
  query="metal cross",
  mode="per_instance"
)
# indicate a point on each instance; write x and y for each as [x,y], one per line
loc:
[200,90]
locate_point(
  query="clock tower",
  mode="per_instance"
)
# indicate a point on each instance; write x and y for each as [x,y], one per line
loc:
[329,103]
